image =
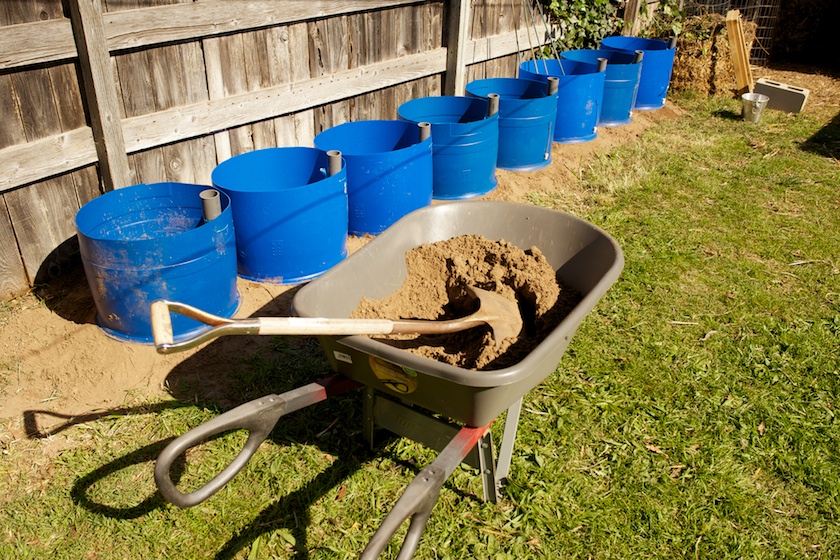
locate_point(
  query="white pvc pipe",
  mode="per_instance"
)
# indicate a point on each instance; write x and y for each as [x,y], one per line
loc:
[211,204]
[493,105]
[335,161]
[425,130]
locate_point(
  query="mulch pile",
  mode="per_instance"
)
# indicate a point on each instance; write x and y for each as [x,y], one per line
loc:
[703,60]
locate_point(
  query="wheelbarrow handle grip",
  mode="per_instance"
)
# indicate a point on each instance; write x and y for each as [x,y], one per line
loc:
[161,323]
[415,504]
[420,497]
[258,417]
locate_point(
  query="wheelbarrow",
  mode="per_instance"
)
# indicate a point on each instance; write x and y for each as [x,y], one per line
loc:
[401,388]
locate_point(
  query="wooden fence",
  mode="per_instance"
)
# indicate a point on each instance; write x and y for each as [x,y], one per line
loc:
[111,93]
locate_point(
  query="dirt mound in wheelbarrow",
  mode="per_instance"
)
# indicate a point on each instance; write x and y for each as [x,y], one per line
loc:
[434,289]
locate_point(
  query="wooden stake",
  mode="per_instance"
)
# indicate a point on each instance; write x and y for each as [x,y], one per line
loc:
[738,51]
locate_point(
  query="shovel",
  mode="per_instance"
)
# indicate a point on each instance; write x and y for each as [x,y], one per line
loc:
[496,311]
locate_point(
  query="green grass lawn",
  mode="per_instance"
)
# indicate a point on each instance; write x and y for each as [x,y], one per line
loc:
[693,415]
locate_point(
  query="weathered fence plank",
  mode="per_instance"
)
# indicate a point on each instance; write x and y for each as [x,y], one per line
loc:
[299,71]
[13,277]
[216,90]
[100,92]
[329,55]
[135,80]
[11,132]
[181,22]
[202,150]
[43,219]
[258,62]
[32,161]
[146,131]
[12,274]
[26,44]
[234,83]
[457,35]
[40,42]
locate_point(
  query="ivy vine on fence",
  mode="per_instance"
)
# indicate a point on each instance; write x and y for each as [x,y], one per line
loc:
[581,24]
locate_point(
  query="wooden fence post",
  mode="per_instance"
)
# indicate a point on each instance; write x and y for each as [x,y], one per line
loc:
[631,16]
[100,92]
[457,30]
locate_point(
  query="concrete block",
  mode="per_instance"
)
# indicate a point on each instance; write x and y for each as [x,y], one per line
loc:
[783,97]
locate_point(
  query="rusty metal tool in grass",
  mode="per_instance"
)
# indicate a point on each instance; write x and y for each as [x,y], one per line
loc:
[496,311]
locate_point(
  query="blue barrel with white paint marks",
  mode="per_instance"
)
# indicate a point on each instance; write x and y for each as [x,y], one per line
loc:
[580,96]
[290,215]
[465,143]
[657,67]
[147,242]
[526,120]
[389,170]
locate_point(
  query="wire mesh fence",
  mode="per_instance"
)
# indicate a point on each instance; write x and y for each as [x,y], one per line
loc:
[761,12]
[703,7]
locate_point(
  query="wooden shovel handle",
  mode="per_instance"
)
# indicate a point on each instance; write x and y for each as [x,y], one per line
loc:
[164,338]
[323,326]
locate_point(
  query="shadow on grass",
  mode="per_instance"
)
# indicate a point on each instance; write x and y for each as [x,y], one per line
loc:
[292,510]
[32,419]
[727,114]
[79,492]
[826,141]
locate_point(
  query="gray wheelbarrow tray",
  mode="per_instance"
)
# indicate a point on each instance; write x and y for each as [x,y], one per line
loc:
[584,257]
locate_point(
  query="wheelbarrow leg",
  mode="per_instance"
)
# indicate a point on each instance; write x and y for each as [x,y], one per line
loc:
[495,470]
[487,468]
[509,436]
[369,426]
[406,421]
[420,496]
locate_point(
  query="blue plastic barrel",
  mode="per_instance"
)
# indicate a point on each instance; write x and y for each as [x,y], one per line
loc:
[290,216]
[148,242]
[621,83]
[657,65]
[465,143]
[389,171]
[526,120]
[579,97]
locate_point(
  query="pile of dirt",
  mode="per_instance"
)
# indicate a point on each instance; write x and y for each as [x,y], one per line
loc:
[703,61]
[435,289]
